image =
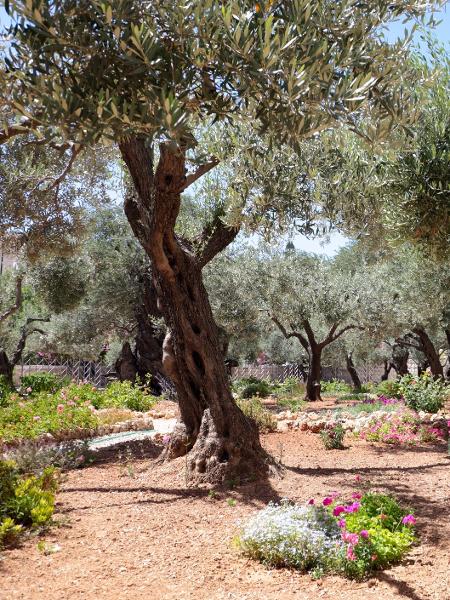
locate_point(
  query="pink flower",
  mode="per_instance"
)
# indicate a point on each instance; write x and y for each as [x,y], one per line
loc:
[351,508]
[60,408]
[350,538]
[364,533]
[409,520]
[311,501]
[71,403]
[341,523]
[374,557]
[357,495]
[357,477]
[29,390]
[337,510]
[166,439]
[80,458]
[350,553]
[37,418]
[327,501]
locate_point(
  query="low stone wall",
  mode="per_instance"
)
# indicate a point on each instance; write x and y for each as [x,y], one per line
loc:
[316,421]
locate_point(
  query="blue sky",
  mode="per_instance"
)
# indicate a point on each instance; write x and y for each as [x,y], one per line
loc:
[333,242]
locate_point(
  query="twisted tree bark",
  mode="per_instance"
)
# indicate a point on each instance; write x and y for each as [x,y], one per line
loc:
[222,443]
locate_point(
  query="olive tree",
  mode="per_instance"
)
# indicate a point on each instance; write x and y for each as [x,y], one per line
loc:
[143,75]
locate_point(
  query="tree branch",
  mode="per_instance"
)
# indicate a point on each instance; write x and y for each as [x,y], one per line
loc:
[24,335]
[56,182]
[344,329]
[11,131]
[215,237]
[18,303]
[202,170]
[303,341]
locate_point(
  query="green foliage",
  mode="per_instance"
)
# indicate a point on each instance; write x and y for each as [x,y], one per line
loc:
[44,413]
[423,393]
[5,391]
[247,387]
[388,388]
[335,387]
[333,436]
[253,409]
[41,381]
[61,282]
[25,501]
[388,539]
[124,394]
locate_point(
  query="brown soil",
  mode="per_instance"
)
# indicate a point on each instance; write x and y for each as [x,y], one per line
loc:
[131,529]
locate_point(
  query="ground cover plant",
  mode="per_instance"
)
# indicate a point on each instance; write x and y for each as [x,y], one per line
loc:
[335,387]
[402,427]
[25,501]
[354,537]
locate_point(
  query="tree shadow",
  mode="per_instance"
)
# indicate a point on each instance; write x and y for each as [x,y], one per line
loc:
[403,589]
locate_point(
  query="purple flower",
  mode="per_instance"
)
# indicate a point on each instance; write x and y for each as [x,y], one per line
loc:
[357,495]
[311,501]
[364,533]
[166,439]
[327,501]
[341,523]
[409,520]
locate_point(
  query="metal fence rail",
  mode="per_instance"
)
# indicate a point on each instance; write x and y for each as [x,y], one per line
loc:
[75,369]
[367,372]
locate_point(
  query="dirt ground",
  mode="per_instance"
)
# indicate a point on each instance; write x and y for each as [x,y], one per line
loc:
[131,529]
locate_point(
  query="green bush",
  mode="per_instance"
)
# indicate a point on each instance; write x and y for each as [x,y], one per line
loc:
[41,381]
[123,394]
[423,393]
[25,501]
[261,389]
[388,389]
[333,436]
[253,409]
[44,413]
[334,387]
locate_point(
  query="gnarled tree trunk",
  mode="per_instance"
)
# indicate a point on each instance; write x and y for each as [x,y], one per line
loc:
[6,368]
[353,372]
[430,352]
[221,441]
[313,387]
[399,361]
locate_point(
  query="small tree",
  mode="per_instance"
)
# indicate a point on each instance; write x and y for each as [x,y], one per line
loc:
[310,301]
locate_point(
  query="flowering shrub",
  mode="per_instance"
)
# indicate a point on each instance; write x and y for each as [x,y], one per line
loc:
[377,533]
[24,501]
[288,535]
[424,392]
[42,381]
[353,538]
[333,436]
[43,413]
[400,428]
